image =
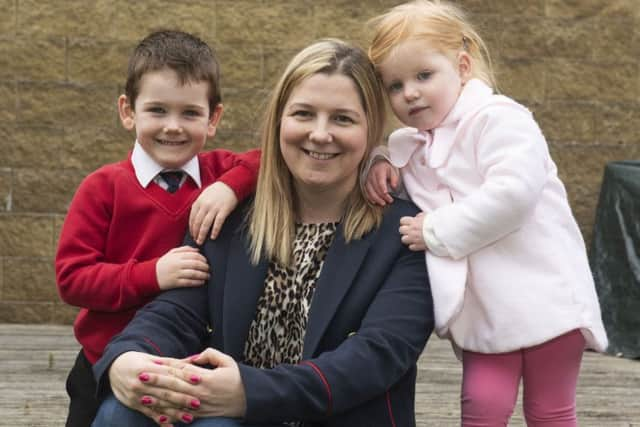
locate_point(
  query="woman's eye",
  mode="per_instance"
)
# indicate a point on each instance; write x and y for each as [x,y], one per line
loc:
[192,113]
[301,113]
[424,75]
[343,119]
[156,110]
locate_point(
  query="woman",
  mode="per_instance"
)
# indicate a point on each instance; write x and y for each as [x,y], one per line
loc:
[317,311]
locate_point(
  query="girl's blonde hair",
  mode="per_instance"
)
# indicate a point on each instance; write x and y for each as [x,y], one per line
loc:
[443,25]
[273,215]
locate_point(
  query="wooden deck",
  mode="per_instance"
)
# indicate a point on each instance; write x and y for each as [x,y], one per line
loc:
[35,359]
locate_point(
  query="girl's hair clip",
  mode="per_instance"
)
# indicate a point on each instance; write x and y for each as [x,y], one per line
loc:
[465,43]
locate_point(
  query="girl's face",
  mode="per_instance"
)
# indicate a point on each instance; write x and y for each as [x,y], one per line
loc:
[422,84]
[323,134]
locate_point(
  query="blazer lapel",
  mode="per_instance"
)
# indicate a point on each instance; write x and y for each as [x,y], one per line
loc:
[243,287]
[338,273]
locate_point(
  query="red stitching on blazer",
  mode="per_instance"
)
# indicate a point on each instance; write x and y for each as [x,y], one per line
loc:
[324,381]
[152,344]
[393,420]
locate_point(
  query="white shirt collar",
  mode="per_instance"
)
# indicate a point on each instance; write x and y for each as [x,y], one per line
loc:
[146,168]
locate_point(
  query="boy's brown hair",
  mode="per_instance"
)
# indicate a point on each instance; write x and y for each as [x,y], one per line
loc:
[192,59]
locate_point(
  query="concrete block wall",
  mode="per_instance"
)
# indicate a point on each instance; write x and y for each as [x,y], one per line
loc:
[62,67]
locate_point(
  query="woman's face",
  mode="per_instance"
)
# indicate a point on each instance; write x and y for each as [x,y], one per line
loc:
[323,134]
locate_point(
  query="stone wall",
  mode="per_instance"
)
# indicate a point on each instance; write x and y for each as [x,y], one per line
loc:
[62,66]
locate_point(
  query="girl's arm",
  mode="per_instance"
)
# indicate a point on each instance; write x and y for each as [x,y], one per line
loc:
[512,157]
[380,176]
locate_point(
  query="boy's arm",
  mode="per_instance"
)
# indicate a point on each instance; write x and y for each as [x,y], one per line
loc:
[238,170]
[238,174]
[83,276]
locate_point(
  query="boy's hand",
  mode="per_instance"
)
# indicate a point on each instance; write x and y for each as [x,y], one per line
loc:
[212,207]
[181,268]
[380,177]
[411,230]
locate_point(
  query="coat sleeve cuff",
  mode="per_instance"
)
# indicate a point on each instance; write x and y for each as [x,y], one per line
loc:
[432,242]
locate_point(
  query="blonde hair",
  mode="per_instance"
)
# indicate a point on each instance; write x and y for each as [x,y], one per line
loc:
[443,25]
[272,218]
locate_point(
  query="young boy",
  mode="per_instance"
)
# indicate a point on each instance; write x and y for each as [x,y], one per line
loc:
[116,247]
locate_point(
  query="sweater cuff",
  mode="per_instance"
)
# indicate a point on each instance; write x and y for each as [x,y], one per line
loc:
[143,275]
[241,180]
[434,245]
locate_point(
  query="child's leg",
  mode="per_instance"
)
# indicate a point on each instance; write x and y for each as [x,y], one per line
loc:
[549,381]
[489,388]
[81,388]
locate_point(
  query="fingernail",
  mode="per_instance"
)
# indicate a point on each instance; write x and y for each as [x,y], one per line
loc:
[146,400]
[195,403]
[143,377]
[194,379]
[158,362]
[194,357]
[187,418]
[163,419]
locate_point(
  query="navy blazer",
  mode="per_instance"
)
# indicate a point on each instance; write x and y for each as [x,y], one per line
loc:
[369,320]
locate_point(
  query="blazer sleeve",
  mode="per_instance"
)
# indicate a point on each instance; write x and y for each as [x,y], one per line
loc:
[175,324]
[512,156]
[390,339]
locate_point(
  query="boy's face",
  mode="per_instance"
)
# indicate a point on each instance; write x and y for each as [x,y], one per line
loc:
[422,84]
[172,121]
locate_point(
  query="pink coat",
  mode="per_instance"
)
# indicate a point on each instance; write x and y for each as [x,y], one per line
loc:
[518,273]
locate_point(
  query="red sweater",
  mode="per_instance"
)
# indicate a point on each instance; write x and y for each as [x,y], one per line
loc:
[116,230]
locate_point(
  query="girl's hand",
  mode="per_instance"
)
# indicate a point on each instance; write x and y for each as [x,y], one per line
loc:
[181,268]
[411,230]
[145,383]
[382,175]
[212,207]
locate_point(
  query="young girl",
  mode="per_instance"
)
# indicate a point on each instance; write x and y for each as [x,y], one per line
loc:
[509,273]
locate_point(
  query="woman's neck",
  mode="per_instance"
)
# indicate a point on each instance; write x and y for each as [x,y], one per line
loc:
[315,207]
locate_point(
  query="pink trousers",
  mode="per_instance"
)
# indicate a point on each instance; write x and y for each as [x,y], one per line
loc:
[549,373]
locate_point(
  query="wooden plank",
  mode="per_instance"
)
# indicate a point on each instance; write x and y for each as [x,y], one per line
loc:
[35,360]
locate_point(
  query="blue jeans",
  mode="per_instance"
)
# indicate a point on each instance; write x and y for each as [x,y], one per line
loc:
[112,413]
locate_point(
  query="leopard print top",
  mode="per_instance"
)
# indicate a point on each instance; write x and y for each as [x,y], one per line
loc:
[276,334]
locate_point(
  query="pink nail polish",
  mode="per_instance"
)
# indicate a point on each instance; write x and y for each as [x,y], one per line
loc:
[143,377]
[194,357]
[158,362]
[187,418]
[146,400]
[194,379]
[163,418]
[195,403]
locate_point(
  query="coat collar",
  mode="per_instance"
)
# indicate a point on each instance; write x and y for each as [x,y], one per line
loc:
[245,285]
[404,142]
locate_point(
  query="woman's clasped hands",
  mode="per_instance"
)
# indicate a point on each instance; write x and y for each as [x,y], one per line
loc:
[171,390]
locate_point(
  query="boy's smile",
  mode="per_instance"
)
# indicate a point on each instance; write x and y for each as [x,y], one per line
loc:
[172,121]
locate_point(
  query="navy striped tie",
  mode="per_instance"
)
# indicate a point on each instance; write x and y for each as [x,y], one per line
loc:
[173,179]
